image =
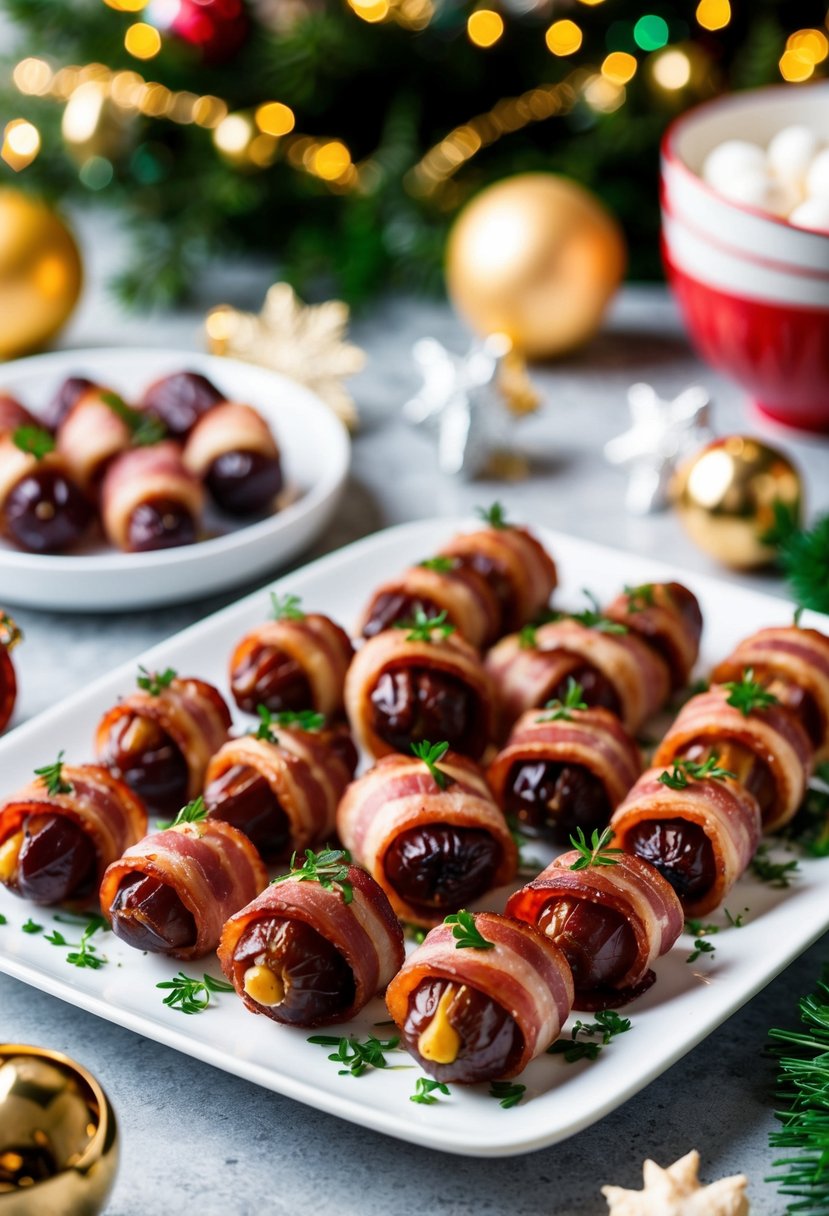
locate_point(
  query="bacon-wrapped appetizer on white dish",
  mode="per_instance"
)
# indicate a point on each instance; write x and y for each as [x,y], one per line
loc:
[752,735]
[150,501]
[667,616]
[316,945]
[160,738]
[42,509]
[295,661]
[179,400]
[481,997]
[59,833]
[97,427]
[564,767]
[419,682]
[437,586]
[172,892]
[793,664]
[14,415]
[696,824]
[428,829]
[280,785]
[610,913]
[232,449]
[10,636]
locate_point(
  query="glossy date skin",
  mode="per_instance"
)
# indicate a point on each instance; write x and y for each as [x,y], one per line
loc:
[390,608]
[244,799]
[245,483]
[597,942]
[148,915]
[439,867]
[180,400]
[411,704]
[267,676]
[45,512]
[145,757]
[57,860]
[160,523]
[66,396]
[597,691]
[490,1038]
[550,800]
[500,585]
[318,983]
[679,850]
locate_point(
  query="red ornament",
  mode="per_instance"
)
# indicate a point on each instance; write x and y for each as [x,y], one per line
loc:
[216,28]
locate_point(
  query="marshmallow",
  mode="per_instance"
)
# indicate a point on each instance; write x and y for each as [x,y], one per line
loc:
[817,179]
[760,190]
[813,213]
[791,152]
[732,159]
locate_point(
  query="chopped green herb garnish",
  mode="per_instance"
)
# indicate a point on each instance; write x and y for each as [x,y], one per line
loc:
[145,429]
[640,597]
[423,627]
[737,921]
[3,920]
[31,926]
[594,618]
[426,1090]
[563,710]
[10,632]
[356,1057]
[495,516]
[685,771]
[193,812]
[778,875]
[798,613]
[302,719]
[597,852]
[190,994]
[747,695]
[34,441]
[528,637]
[86,955]
[155,682]
[698,928]
[286,608]
[431,754]
[329,868]
[701,946]
[55,938]
[265,728]
[507,1093]
[441,565]
[52,777]
[466,933]
[583,1044]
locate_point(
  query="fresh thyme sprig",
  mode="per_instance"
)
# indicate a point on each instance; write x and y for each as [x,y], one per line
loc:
[597,852]
[466,933]
[686,771]
[640,597]
[145,429]
[300,719]
[31,926]
[587,1039]
[192,812]
[355,1056]
[84,954]
[154,682]
[34,441]
[52,777]
[494,515]
[507,1093]
[431,754]
[265,729]
[329,868]
[423,627]
[778,874]
[3,920]
[10,632]
[286,608]
[594,618]
[748,695]
[528,637]
[440,564]
[426,1091]
[562,710]
[189,993]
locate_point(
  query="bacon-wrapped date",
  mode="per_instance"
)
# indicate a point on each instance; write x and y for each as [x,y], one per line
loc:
[617,671]
[564,770]
[305,954]
[700,837]
[611,922]
[431,848]
[402,689]
[150,501]
[459,591]
[471,1014]
[767,749]
[793,663]
[10,636]
[668,617]
[179,400]
[91,434]
[160,739]
[281,792]
[14,415]
[172,892]
[293,663]
[232,450]
[41,508]
[517,567]
[58,837]
[65,397]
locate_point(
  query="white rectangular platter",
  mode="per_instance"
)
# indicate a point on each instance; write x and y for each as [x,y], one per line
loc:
[687,1003]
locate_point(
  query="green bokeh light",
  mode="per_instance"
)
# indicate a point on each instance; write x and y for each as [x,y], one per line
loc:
[96,173]
[651,32]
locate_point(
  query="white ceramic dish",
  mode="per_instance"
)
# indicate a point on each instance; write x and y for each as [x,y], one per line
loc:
[315,455]
[685,1005]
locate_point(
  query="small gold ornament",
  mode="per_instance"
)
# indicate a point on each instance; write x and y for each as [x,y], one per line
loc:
[305,342]
[536,257]
[677,1191]
[40,273]
[727,495]
[93,125]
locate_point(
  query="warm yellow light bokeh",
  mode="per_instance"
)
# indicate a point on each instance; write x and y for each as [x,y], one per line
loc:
[794,67]
[331,160]
[619,67]
[370,10]
[274,118]
[142,40]
[563,37]
[672,69]
[484,27]
[713,14]
[811,45]
[127,6]
[233,134]
[21,144]
[32,76]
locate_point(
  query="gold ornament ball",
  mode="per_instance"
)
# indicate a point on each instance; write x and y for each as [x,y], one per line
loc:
[536,257]
[726,495]
[40,273]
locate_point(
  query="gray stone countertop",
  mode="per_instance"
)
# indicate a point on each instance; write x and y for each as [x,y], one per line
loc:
[197,1139]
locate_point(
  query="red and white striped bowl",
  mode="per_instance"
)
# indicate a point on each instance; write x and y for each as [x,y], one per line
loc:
[753,289]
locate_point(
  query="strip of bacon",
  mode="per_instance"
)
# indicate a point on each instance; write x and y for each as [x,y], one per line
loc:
[667,616]
[90,436]
[464,595]
[319,646]
[227,427]
[519,568]
[143,475]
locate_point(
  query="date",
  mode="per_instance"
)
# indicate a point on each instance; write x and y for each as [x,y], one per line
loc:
[149,915]
[244,799]
[679,850]
[475,1038]
[143,755]
[412,704]
[307,981]
[551,800]
[440,867]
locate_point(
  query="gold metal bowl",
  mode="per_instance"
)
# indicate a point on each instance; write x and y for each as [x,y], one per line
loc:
[58,1135]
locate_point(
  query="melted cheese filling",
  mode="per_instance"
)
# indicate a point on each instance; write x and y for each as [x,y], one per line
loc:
[440,1042]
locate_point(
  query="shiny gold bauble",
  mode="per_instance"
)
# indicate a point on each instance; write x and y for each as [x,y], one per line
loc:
[726,496]
[58,1136]
[536,257]
[40,273]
